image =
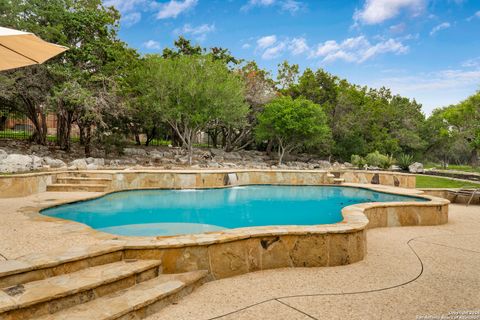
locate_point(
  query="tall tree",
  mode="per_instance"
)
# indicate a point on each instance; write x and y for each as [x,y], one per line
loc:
[292,124]
[192,93]
[89,29]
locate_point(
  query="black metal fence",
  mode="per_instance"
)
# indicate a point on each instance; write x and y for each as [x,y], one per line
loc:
[16,125]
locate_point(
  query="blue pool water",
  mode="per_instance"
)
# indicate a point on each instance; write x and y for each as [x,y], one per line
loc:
[170,212]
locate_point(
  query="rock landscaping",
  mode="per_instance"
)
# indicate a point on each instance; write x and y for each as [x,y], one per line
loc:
[18,156]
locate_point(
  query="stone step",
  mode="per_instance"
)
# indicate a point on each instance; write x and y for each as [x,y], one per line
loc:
[82,180]
[53,294]
[69,187]
[136,302]
[338,180]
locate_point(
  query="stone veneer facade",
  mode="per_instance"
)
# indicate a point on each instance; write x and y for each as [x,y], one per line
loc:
[25,184]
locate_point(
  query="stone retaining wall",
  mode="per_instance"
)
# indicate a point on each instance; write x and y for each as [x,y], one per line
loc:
[26,184]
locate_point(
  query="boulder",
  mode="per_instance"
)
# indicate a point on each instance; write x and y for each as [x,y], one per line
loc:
[232,156]
[92,166]
[155,154]
[416,167]
[54,163]
[19,163]
[78,164]
[3,154]
[213,164]
[37,162]
[323,164]
[95,161]
[134,152]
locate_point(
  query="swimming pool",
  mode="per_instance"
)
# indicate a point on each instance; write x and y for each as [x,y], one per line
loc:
[173,212]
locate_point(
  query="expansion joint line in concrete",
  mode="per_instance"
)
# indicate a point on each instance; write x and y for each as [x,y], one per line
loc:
[1,255]
[278,299]
[298,310]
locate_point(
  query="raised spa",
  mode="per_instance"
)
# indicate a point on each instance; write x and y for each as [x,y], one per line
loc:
[172,212]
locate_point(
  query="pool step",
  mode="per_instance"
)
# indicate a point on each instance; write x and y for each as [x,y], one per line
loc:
[136,302]
[75,187]
[42,297]
[82,180]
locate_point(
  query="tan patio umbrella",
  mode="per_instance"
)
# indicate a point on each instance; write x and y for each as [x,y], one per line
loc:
[19,49]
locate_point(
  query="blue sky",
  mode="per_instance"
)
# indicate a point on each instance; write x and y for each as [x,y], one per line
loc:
[423,49]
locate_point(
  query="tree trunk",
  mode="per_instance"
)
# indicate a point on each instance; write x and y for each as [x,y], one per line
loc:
[150,136]
[269,147]
[137,139]
[281,153]
[64,128]
[87,141]
[474,158]
[3,123]
[81,132]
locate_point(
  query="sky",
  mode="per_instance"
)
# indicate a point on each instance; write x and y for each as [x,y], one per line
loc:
[428,50]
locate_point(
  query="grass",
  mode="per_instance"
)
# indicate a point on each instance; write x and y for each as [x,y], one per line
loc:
[437,182]
[456,167]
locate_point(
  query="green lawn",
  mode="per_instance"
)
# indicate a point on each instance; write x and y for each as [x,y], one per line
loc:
[437,182]
[465,168]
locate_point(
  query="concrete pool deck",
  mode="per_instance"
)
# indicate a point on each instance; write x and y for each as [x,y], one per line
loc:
[450,280]
[392,282]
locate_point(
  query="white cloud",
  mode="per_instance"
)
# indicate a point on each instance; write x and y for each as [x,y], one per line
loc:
[199,32]
[152,44]
[327,48]
[173,8]
[476,15]
[357,49]
[339,55]
[246,46]
[129,9]
[378,11]
[292,6]
[131,18]
[441,26]
[472,63]
[125,5]
[298,46]
[398,28]
[274,52]
[271,47]
[267,41]
[435,89]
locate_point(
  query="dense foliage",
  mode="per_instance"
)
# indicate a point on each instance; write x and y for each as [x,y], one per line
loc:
[189,93]
[115,95]
[292,125]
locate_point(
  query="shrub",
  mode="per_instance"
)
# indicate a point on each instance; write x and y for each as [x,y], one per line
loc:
[387,162]
[405,160]
[376,159]
[113,143]
[358,161]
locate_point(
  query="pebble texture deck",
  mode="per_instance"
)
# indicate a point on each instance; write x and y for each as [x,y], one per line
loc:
[390,283]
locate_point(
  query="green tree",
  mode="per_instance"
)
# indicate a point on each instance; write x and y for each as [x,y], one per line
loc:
[463,124]
[95,54]
[292,124]
[287,76]
[192,93]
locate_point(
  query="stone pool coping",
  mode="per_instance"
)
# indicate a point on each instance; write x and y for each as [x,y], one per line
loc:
[357,218]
